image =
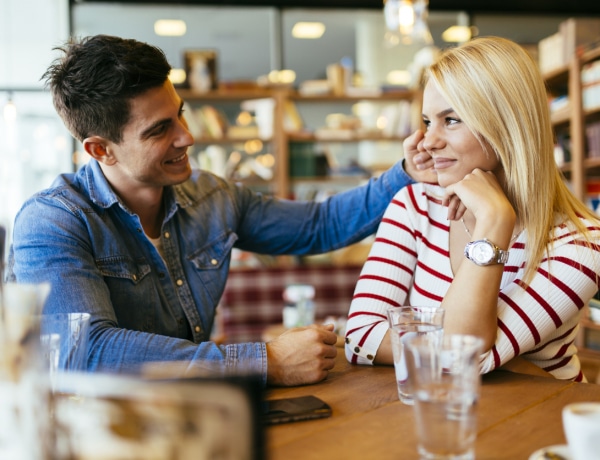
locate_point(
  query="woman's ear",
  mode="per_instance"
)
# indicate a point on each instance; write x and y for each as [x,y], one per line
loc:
[97,148]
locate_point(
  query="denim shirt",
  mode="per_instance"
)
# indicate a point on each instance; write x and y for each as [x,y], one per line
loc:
[80,237]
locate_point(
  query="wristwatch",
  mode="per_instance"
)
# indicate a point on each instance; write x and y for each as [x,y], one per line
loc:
[484,252]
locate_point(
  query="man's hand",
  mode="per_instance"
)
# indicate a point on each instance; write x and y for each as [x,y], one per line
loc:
[301,355]
[418,163]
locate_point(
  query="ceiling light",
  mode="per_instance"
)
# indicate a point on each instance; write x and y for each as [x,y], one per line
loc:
[10,111]
[406,22]
[170,27]
[308,30]
[457,34]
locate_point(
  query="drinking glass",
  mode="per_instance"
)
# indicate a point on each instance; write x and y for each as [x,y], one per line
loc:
[24,424]
[445,379]
[64,339]
[406,322]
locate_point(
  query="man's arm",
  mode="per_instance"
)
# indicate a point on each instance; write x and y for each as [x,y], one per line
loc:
[272,226]
[51,244]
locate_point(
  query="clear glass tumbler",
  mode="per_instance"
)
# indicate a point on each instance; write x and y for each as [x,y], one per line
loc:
[406,322]
[445,380]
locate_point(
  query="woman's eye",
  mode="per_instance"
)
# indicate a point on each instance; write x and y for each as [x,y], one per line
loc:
[452,121]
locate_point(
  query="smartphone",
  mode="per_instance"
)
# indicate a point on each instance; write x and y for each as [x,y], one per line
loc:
[295,409]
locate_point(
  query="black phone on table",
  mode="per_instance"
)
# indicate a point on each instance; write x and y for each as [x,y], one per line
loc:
[294,409]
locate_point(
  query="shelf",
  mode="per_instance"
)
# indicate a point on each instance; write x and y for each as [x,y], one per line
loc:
[352,137]
[574,119]
[591,163]
[227,140]
[383,97]
[589,324]
[558,76]
[224,95]
[590,55]
[561,117]
[350,179]
[283,135]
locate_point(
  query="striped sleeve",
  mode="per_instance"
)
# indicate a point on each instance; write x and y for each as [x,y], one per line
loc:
[387,275]
[540,321]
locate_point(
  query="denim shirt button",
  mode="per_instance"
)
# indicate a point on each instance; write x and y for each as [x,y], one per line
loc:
[214,261]
[134,277]
[197,328]
[167,235]
[179,283]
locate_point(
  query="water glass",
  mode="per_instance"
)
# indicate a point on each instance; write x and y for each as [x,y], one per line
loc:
[445,379]
[406,322]
[64,341]
[25,431]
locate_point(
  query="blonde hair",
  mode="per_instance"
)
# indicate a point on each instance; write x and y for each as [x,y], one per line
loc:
[499,93]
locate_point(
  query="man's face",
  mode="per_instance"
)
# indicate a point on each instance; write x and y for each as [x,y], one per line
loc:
[153,149]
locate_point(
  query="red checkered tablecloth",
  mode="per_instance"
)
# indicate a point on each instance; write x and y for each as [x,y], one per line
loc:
[253,298]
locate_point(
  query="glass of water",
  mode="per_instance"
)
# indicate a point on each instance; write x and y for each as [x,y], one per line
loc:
[406,322]
[445,379]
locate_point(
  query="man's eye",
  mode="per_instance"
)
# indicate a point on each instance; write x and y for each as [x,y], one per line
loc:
[158,131]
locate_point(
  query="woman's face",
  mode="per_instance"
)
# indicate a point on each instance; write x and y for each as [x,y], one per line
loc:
[454,148]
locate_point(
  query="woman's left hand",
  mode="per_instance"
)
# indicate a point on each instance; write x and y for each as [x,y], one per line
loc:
[480,193]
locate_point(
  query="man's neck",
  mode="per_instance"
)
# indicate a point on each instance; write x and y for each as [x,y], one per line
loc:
[146,202]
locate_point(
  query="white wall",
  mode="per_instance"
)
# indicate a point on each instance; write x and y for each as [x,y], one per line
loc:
[29,29]
[35,147]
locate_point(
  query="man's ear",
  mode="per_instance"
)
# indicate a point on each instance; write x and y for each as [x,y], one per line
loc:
[97,148]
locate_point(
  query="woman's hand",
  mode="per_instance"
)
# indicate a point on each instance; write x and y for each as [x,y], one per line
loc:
[481,194]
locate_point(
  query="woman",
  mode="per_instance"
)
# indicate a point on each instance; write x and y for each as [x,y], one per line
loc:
[520,264]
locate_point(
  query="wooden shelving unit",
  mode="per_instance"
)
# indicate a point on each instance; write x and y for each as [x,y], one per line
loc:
[573,119]
[282,182]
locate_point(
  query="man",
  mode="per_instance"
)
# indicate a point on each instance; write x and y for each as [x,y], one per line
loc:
[143,243]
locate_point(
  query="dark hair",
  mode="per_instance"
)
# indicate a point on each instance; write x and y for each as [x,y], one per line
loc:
[93,82]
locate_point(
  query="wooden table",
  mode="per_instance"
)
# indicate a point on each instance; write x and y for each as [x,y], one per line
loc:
[517,415]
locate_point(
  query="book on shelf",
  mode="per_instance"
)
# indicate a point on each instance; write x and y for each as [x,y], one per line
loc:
[307,161]
[592,133]
[557,50]
[314,88]
[397,118]
[292,120]
[263,114]
[593,193]
[577,32]
[242,132]
[548,57]
[212,122]
[590,81]
[562,149]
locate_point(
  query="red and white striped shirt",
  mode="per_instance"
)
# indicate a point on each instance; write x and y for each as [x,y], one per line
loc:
[409,264]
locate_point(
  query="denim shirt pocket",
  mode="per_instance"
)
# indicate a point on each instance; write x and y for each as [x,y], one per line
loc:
[124,267]
[214,254]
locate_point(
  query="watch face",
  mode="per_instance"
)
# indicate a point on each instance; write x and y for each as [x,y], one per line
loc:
[482,252]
